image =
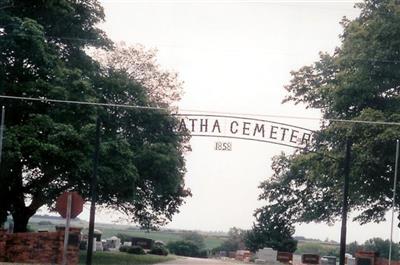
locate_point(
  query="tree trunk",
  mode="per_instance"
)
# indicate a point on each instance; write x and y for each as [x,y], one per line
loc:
[21,222]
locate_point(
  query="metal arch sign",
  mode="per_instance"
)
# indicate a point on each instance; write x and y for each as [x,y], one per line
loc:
[244,128]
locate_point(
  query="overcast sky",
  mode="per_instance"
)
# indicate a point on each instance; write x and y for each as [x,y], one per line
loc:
[235,56]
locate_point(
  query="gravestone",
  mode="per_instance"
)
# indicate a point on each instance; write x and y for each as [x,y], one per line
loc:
[351,261]
[328,260]
[113,243]
[366,257]
[97,234]
[310,259]
[285,257]
[99,246]
[223,253]
[145,243]
[267,255]
[243,255]
[296,259]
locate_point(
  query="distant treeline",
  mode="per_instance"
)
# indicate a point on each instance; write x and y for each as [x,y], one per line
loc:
[374,244]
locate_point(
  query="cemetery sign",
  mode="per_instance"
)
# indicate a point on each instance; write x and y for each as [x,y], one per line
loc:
[244,128]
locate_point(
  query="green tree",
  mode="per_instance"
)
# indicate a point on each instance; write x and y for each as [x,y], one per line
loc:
[184,248]
[352,248]
[359,81]
[235,241]
[48,147]
[382,246]
[271,230]
[195,238]
[163,87]
[375,244]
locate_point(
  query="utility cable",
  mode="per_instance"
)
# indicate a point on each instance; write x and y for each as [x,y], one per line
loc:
[44,100]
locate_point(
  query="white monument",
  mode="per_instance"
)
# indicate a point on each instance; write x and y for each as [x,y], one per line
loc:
[114,243]
[266,255]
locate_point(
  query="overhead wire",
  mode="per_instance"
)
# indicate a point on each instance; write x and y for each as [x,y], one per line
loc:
[198,111]
[44,100]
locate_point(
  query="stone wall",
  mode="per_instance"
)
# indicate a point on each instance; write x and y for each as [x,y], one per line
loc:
[40,247]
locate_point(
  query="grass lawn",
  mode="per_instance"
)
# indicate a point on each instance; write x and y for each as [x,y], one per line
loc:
[119,258]
[165,236]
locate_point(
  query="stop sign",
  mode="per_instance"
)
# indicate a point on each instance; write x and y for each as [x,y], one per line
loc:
[76,204]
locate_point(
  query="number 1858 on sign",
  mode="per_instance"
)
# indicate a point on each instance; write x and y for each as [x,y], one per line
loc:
[223,146]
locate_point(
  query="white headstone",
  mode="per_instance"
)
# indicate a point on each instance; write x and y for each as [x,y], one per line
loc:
[296,259]
[324,261]
[94,244]
[117,243]
[99,246]
[351,261]
[113,243]
[267,254]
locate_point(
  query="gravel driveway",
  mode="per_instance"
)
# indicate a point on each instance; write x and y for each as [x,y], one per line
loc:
[195,261]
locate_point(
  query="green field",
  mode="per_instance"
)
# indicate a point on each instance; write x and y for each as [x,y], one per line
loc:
[119,258]
[319,248]
[211,240]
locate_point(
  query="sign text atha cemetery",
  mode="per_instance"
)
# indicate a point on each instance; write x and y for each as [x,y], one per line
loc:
[243,128]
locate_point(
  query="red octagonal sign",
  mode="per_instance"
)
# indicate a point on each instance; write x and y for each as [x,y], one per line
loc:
[76,204]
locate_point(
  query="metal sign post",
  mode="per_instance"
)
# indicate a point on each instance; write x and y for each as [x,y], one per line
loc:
[393,200]
[93,195]
[343,232]
[66,236]
[3,112]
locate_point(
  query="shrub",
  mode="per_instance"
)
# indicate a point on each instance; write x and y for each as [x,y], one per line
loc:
[124,248]
[136,250]
[159,250]
[203,253]
[45,223]
[184,248]
[194,237]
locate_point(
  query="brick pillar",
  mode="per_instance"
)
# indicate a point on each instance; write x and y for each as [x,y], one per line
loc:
[73,244]
[3,236]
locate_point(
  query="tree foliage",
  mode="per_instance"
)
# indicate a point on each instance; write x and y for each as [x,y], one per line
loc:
[186,248]
[48,147]
[359,81]
[164,87]
[376,244]
[272,230]
[318,248]
[352,248]
[235,241]
[195,238]
[382,247]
